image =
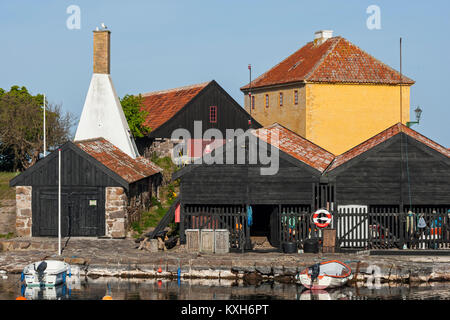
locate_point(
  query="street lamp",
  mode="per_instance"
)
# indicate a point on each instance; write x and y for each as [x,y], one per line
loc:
[418,112]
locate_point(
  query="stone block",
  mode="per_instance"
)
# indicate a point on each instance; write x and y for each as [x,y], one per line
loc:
[207,240]
[192,240]
[221,241]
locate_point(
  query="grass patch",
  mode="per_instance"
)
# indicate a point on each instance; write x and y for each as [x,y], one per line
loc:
[7,236]
[167,194]
[6,192]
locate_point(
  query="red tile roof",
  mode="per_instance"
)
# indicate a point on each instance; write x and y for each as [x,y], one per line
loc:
[383,136]
[163,105]
[336,60]
[296,146]
[112,157]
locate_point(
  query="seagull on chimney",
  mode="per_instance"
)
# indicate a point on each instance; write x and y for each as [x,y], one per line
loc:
[104,26]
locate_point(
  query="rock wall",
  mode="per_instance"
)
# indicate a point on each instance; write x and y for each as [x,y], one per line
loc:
[115,212]
[7,216]
[23,211]
[160,148]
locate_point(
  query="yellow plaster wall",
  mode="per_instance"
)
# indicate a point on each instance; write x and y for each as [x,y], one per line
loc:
[341,116]
[289,115]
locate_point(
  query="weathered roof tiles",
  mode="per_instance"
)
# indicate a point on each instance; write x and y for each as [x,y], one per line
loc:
[163,105]
[335,61]
[296,146]
[130,169]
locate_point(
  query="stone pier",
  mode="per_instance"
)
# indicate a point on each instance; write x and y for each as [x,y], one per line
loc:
[121,258]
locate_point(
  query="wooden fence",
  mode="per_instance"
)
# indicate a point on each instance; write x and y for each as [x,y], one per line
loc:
[386,228]
[230,217]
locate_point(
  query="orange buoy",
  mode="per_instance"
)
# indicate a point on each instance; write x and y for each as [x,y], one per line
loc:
[107,298]
[159,284]
[21,298]
[159,270]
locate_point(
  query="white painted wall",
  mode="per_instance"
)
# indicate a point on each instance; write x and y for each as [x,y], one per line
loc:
[103,116]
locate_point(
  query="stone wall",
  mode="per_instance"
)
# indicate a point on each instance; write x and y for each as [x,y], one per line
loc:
[115,212]
[160,148]
[7,216]
[23,211]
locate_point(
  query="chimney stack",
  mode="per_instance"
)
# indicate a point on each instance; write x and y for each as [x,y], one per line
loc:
[322,36]
[102,51]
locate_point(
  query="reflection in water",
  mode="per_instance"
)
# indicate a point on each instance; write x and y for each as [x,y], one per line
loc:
[201,289]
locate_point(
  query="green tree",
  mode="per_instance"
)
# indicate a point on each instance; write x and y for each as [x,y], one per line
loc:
[21,126]
[132,107]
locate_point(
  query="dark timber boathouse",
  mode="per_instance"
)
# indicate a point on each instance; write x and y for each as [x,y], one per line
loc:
[377,192]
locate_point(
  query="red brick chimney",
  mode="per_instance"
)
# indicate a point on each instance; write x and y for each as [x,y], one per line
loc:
[102,51]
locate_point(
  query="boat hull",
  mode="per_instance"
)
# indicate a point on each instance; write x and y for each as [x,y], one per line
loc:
[333,274]
[323,282]
[54,274]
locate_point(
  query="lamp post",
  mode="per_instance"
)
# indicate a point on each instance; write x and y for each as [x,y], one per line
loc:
[418,112]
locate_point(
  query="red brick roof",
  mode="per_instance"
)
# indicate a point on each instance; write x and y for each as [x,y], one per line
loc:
[383,136]
[112,157]
[296,146]
[163,105]
[335,61]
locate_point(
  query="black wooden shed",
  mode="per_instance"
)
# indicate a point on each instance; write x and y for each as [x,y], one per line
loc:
[207,103]
[228,191]
[370,190]
[100,185]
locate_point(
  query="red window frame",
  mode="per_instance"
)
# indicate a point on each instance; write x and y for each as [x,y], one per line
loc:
[213,114]
[281,99]
[267,100]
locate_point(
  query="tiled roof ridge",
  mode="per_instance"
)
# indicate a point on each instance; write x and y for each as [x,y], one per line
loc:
[192,86]
[405,79]
[437,146]
[395,129]
[324,56]
[247,86]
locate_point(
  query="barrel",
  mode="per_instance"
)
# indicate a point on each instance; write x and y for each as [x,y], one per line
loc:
[311,246]
[289,247]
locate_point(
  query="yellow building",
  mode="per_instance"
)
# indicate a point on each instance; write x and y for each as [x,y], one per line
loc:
[330,92]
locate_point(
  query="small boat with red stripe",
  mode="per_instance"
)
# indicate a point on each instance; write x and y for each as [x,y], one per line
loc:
[325,275]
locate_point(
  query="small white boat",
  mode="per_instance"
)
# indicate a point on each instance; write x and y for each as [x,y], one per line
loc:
[45,293]
[328,274]
[46,273]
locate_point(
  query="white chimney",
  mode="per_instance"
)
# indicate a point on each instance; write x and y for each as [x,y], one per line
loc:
[322,36]
[102,114]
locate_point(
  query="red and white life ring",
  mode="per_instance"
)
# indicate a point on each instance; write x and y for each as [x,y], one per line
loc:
[322,218]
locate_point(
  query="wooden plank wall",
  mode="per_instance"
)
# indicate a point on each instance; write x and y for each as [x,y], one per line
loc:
[76,171]
[377,179]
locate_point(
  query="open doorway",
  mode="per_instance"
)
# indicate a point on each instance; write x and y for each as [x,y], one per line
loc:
[264,225]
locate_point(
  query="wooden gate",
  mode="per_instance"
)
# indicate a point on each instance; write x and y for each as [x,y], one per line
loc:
[230,217]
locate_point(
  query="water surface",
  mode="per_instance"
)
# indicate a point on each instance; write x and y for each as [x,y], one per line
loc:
[190,289]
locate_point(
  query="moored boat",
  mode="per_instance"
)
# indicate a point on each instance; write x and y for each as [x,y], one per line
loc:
[327,274]
[46,273]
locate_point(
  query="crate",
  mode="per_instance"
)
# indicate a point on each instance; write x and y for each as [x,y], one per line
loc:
[207,240]
[192,240]
[221,241]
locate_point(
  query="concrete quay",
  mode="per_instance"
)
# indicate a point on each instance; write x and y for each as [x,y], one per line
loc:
[121,258]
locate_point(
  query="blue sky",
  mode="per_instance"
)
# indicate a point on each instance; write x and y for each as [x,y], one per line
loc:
[169,43]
